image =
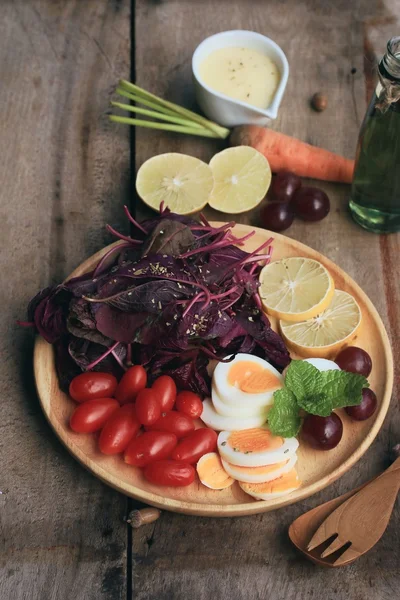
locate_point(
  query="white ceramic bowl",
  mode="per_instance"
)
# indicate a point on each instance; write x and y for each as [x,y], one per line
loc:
[225,110]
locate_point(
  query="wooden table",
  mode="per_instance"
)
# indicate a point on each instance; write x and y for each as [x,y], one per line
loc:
[65,171]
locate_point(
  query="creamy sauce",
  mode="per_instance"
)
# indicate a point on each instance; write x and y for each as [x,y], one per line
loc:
[242,74]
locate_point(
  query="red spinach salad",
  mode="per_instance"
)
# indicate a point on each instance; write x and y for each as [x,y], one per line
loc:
[178,294]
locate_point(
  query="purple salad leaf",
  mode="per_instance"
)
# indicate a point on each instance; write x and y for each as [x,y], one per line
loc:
[169,237]
[120,326]
[151,297]
[84,353]
[82,323]
[48,310]
[192,376]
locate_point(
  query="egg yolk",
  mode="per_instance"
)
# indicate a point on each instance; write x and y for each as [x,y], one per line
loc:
[254,440]
[252,378]
[288,481]
[212,473]
[265,470]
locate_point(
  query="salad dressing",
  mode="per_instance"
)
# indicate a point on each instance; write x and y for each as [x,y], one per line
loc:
[242,74]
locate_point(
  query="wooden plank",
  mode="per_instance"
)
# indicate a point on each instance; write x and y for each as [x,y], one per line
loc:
[252,557]
[64,173]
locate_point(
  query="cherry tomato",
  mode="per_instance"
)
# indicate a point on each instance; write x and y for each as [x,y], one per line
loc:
[148,409]
[173,422]
[92,415]
[195,445]
[134,380]
[165,388]
[149,447]
[190,404]
[169,472]
[88,386]
[119,430]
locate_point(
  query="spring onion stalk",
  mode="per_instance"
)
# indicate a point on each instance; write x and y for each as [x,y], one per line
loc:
[182,120]
[156,115]
[163,126]
[136,98]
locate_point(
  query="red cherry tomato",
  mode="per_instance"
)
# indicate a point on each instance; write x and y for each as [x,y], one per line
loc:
[169,472]
[148,410]
[149,447]
[88,386]
[119,430]
[195,445]
[134,380]
[190,404]
[165,389]
[173,422]
[92,415]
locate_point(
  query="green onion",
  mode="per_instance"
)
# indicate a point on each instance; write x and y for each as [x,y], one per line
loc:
[182,120]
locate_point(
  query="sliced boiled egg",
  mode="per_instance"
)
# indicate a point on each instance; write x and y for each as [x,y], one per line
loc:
[246,381]
[259,474]
[322,364]
[211,472]
[227,410]
[285,484]
[255,447]
[212,419]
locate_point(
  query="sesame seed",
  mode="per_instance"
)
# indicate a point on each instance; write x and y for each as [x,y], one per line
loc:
[251,319]
[160,305]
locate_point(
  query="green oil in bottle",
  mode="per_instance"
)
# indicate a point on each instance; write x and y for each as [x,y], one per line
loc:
[375,193]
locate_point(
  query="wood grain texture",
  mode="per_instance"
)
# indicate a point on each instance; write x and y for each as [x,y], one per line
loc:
[324,41]
[314,471]
[64,173]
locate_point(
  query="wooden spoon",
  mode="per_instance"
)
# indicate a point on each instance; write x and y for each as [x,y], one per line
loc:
[304,527]
[357,524]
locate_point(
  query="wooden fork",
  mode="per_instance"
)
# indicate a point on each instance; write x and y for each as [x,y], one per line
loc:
[357,524]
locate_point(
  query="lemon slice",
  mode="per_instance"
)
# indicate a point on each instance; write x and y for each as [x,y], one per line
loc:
[242,177]
[183,182]
[295,289]
[323,336]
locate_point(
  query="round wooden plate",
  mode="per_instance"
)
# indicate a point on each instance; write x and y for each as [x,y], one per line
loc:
[317,469]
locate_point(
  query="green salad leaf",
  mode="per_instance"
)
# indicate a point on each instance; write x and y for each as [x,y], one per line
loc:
[316,392]
[283,418]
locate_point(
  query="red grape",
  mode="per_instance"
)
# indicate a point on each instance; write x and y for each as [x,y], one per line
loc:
[323,433]
[310,204]
[354,360]
[367,407]
[277,216]
[284,185]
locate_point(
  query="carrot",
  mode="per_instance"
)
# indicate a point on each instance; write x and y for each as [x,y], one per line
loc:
[285,153]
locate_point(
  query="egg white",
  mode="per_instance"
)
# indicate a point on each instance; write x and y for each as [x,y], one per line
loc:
[258,478]
[323,364]
[228,410]
[234,396]
[255,459]
[212,419]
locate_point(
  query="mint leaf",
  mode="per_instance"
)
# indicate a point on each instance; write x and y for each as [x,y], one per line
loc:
[343,388]
[317,404]
[283,417]
[303,379]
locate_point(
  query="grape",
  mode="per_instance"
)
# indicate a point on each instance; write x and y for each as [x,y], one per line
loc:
[367,407]
[354,360]
[284,185]
[322,433]
[277,216]
[310,204]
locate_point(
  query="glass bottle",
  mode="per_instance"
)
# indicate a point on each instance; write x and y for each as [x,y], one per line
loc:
[375,192]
